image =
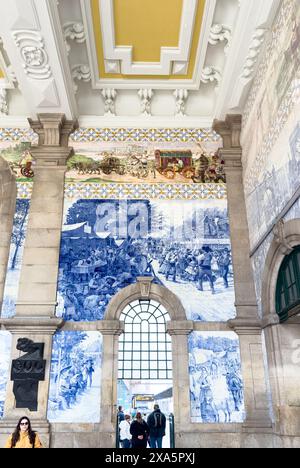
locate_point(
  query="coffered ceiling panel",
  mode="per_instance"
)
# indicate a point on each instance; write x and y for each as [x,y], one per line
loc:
[161,41]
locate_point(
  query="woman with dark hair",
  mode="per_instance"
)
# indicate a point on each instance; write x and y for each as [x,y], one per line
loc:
[24,436]
[139,430]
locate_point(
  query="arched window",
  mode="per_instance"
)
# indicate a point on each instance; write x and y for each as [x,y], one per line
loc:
[145,348]
[288,286]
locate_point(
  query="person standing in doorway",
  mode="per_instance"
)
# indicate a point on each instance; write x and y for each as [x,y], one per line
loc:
[157,426]
[139,430]
[23,437]
[121,415]
[125,436]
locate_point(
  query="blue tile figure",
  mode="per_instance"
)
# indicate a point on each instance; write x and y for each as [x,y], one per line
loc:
[216,386]
[75,377]
[15,258]
[183,245]
[5,350]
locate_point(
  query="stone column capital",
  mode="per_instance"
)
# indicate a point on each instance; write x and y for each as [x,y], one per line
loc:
[53,131]
[111,327]
[246,326]
[229,130]
[38,325]
[178,327]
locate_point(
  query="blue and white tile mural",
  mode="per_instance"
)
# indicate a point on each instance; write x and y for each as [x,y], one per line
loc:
[276,184]
[216,386]
[75,377]
[5,348]
[183,244]
[15,258]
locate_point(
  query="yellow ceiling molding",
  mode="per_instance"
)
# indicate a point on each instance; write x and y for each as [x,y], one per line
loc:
[147,25]
[147,39]
[2,74]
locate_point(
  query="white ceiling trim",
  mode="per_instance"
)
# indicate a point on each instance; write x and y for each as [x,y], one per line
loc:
[253,15]
[142,122]
[178,65]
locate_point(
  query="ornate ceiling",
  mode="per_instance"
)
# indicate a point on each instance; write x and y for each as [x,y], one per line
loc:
[130,62]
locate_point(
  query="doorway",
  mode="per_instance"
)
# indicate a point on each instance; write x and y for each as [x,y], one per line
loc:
[145,361]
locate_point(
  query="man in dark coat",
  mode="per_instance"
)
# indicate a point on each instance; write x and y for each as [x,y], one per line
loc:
[157,425]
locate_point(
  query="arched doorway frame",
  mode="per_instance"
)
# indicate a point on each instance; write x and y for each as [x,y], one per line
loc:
[286,237]
[111,328]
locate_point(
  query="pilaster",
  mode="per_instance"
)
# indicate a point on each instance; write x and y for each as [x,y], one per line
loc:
[110,330]
[247,324]
[35,309]
[39,272]
[179,332]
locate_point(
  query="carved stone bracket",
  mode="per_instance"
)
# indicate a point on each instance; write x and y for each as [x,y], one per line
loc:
[145,97]
[181,96]
[211,75]
[109,95]
[281,239]
[220,33]
[3,101]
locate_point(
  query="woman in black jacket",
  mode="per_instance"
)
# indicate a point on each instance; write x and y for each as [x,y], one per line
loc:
[139,430]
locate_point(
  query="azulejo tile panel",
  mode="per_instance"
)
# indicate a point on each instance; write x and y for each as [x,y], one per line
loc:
[216,385]
[15,256]
[182,244]
[75,377]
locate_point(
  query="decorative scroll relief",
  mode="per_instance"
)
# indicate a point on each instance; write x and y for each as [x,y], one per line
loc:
[33,53]
[123,55]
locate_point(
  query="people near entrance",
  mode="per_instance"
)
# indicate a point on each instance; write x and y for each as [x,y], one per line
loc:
[139,430]
[23,437]
[121,415]
[157,426]
[125,436]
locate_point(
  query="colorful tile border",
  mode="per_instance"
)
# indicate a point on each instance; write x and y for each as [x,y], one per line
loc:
[24,189]
[145,191]
[18,134]
[145,135]
[135,191]
[181,135]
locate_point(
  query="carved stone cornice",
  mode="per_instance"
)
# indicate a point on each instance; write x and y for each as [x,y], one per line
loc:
[246,326]
[230,131]
[180,327]
[37,325]
[111,327]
